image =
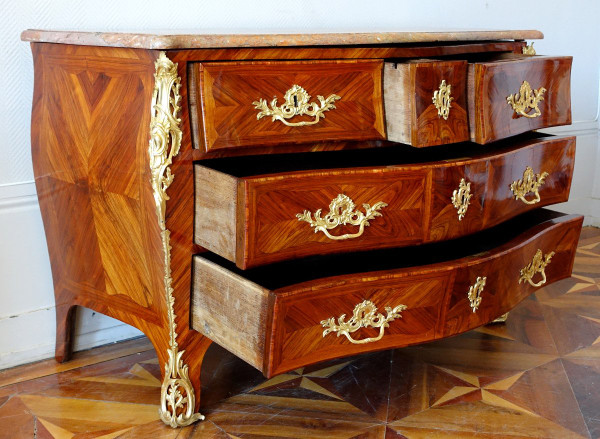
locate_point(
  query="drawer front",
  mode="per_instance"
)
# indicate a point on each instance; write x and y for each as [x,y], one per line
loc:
[300,215]
[512,96]
[426,102]
[504,185]
[267,103]
[258,220]
[534,177]
[484,291]
[330,318]
[415,302]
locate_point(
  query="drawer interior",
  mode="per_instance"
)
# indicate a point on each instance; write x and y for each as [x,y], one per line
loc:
[292,272]
[388,155]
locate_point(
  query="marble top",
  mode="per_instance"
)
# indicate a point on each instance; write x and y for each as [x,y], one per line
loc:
[197,40]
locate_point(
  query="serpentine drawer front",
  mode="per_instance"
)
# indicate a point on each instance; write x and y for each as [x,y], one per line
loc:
[283,210]
[282,317]
[512,96]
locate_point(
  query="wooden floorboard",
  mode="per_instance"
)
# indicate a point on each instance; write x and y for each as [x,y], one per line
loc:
[537,376]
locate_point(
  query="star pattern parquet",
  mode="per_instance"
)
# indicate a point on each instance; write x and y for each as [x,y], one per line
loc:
[537,376]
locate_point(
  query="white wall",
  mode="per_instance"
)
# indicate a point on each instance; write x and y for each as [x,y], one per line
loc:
[26,299]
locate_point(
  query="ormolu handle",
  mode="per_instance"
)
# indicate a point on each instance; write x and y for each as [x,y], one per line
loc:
[530,183]
[461,198]
[341,212]
[296,104]
[365,315]
[474,294]
[537,265]
[526,100]
[442,99]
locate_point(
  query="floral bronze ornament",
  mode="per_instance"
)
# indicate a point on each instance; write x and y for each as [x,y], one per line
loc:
[442,99]
[529,49]
[537,265]
[527,100]
[365,315]
[501,319]
[474,294]
[342,212]
[296,104]
[177,397]
[461,198]
[531,182]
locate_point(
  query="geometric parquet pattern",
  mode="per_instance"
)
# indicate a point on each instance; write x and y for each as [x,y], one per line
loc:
[537,376]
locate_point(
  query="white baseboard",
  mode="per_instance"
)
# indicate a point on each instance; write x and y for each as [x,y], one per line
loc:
[27,313]
[36,331]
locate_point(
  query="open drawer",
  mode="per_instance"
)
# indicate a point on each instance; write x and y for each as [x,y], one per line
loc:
[258,210]
[284,316]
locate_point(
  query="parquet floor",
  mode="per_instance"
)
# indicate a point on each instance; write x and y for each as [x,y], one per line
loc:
[538,376]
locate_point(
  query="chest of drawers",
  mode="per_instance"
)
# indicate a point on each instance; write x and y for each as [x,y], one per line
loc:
[297,198]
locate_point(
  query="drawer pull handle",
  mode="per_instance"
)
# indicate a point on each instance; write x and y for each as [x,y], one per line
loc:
[365,315]
[296,104]
[526,100]
[531,182]
[537,265]
[461,198]
[341,212]
[475,291]
[441,99]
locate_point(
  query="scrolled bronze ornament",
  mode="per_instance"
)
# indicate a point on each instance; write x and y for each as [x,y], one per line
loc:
[365,315]
[177,397]
[525,102]
[442,99]
[297,103]
[342,211]
[530,183]
[537,265]
[461,198]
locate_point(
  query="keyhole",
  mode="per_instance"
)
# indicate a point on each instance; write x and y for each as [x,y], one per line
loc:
[295,101]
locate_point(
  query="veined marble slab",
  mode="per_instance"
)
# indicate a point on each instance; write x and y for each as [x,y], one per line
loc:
[196,41]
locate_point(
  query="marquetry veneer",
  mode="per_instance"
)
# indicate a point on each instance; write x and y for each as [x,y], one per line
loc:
[153,153]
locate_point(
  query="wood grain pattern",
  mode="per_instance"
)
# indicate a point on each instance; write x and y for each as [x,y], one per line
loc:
[303,299]
[501,292]
[90,131]
[231,311]
[418,195]
[411,116]
[346,52]
[492,200]
[227,92]
[83,179]
[297,336]
[216,211]
[490,83]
